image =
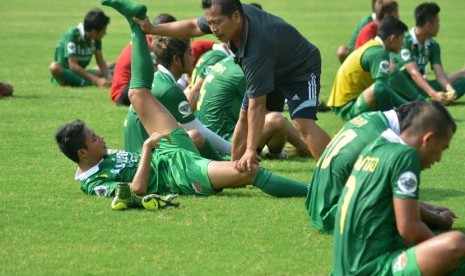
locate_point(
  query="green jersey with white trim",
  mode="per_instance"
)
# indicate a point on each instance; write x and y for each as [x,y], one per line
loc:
[220,97]
[207,59]
[412,51]
[336,163]
[365,228]
[72,44]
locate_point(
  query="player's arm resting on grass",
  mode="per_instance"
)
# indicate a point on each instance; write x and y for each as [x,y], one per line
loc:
[408,220]
[140,181]
[418,78]
[103,65]
[178,29]
[217,142]
[437,217]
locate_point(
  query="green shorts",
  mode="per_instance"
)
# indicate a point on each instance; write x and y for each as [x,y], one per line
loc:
[69,78]
[187,168]
[404,263]
[352,108]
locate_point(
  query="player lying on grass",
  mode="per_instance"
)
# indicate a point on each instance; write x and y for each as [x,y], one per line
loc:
[378,229]
[169,162]
[337,161]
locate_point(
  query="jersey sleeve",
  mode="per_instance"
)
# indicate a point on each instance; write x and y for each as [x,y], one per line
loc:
[259,75]
[376,60]
[176,102]
[99,186]
[406,55]
[70,45]
[405,179]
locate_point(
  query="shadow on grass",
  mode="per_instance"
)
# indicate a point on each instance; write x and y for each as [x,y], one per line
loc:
[437,194]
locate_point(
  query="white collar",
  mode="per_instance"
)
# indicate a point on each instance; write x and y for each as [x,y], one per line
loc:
[377,38]
[166,71]
[80,175]
[391,136]
[415,39]
[373,15]
[80,27]
[393,120]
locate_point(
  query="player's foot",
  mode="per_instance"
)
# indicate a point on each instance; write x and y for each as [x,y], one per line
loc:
[123,197]
[322,107]
[154,202]
[127,8]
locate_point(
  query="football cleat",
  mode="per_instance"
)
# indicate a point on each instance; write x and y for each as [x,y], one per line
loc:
[155,202]
[123,197]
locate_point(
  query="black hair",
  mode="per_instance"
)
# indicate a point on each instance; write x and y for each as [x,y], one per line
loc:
[71,138]
[95,20]
[391,26]
[425,13]
[228,7]
[163,18]
[430,116]
[166,48]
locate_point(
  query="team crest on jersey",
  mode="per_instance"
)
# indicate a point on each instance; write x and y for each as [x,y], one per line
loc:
[384,66]
[184,109]
[405,54]
[407,184]
[399,262]
[71,47]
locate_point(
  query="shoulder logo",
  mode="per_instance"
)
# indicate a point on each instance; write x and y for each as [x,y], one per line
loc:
[405,54]
[184,108]
[71,48]
[384,66]
[407,184]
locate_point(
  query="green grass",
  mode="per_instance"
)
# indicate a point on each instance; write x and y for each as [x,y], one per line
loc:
[48,226]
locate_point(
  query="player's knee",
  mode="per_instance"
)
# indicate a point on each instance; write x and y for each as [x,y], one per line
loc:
[455,242]
[275,121]
[55,69]
[197,138]
[304,126]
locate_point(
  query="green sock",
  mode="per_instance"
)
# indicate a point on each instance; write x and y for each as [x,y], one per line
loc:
[141,62]
[207,151]
[383,97]
[279,186]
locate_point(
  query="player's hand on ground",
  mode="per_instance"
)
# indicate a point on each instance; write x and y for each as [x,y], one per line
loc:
[154,139]
[144,24]
[439,97]
[245,163]
[103,82]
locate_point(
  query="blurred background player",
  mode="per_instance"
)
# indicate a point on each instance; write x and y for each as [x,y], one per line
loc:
[361,82]
[122,74]
[344,50]
[75,50]
[418,50]
[6,89]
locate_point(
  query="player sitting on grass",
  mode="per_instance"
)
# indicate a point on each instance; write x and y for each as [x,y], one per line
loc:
[378,229]
[338,159]
[169,162]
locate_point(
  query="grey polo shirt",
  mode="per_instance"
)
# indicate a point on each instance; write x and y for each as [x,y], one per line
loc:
[271,52]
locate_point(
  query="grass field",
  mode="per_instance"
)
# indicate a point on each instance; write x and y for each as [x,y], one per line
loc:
[48,226]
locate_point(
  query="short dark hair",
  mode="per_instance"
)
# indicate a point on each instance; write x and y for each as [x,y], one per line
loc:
[166,48]
[391,26]
[430,117]
[163,18]
[405,109]
[228,7]
[71,138]
[425,13]
[388,7]
[95,20]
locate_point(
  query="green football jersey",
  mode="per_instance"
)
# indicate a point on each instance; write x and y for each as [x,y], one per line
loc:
[364,21]
[412,51]
[221,96]
[72,44]
[207,59]
[166,90]
[336,163]
[365,228]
